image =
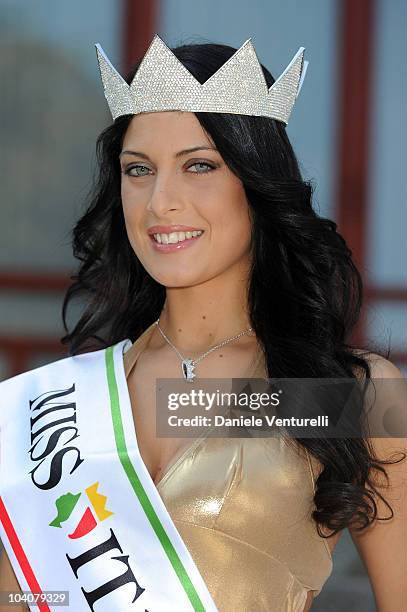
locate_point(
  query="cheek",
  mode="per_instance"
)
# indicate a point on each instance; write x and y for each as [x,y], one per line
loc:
[126,195]
[131,207]
[239,231]
[231,214]
[125,201]
[132,221]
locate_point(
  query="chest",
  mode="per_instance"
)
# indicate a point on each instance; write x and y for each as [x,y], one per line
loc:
[157,453]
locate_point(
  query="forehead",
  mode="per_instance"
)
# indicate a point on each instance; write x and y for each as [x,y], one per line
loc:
[174,128]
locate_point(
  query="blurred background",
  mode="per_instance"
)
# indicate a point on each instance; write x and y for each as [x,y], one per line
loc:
[348,129]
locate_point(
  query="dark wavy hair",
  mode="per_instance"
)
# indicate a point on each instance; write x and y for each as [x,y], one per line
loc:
[305,293]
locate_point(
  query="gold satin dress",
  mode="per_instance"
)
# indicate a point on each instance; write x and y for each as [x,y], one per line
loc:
[243,508]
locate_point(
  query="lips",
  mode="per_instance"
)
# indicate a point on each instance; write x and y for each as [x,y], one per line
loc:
[168,229]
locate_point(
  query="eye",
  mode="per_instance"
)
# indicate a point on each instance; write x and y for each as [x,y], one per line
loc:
[143,170]
[204,167]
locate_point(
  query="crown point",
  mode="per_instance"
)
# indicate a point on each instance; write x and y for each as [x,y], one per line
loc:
[173,86]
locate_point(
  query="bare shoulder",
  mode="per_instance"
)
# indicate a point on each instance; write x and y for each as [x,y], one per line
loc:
[380,367]
[383,545]
[393,395]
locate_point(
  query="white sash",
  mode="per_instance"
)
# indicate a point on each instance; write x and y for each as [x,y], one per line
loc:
[79,511]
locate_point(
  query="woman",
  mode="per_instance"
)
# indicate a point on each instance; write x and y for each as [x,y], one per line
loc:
[200,221]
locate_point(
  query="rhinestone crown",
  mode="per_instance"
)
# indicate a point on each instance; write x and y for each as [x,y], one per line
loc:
[162,83]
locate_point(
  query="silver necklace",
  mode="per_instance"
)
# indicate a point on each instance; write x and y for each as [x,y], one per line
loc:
[187,364]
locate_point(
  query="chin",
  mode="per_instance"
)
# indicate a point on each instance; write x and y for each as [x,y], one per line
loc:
[178,279]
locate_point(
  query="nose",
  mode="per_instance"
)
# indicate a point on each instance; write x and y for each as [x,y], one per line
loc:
[165,195]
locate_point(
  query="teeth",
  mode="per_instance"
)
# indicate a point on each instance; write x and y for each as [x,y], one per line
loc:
[175,237]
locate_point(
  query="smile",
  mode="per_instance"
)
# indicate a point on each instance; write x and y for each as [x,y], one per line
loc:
[175,241]
[175,237]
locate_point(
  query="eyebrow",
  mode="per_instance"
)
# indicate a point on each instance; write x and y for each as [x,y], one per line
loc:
[179,154]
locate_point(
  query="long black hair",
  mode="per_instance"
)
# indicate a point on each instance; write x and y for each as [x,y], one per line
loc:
[305,293]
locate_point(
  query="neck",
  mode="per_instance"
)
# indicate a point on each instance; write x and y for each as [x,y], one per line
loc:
[198,317]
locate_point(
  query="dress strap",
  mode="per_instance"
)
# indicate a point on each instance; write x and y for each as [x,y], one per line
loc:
[133,353]
[313,478]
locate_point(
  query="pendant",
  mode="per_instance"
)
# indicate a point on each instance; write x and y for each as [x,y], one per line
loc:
[188,368]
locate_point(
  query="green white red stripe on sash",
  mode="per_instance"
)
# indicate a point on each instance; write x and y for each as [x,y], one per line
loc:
[79,509]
